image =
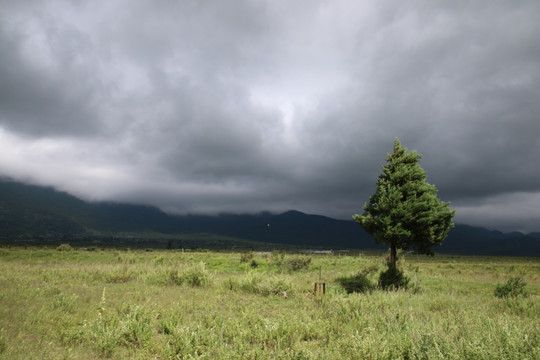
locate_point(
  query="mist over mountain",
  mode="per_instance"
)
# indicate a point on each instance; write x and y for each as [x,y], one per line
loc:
[28,212]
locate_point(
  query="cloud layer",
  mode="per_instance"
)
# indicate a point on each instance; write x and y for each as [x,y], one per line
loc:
[245,106]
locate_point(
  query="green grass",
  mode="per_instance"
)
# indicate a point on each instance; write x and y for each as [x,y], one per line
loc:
[213,305]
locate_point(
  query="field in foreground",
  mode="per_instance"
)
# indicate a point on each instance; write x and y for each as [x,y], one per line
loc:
[82,304]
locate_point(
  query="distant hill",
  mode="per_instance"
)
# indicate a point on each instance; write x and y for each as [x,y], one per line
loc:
[465,239]
[28,212]
[32,210]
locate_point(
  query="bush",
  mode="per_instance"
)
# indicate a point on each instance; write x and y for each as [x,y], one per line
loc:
[126,258]
[118,274]
[297,263]
[196,275]
[246,257]
[515,286]
[393,278]
[356,283]
[64,247]
[131,327]
[193,275]
[136,326]
[168,324]
[277,257]
[104,334]
[264,285]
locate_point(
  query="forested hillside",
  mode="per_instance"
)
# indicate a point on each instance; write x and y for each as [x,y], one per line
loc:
[33,212]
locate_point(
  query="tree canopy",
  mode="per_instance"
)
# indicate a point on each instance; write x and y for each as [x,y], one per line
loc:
[405,212]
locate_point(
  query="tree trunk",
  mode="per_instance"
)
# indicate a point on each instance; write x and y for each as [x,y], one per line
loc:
[393,254]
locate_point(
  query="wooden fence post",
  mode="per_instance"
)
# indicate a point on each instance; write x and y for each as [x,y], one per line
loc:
[320,288]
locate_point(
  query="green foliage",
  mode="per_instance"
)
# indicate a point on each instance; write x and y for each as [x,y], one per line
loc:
[127,257]
[405,212]
[277,258]
[390,279]
[515,286]
[393,278]
[357,283]
[130,327]
[3,340]
[246,256]
[136,326]
[118,274]
[103,334]
[64,247]
[297,263]
[64,303]
[254,263]
[192,275]
[54,306]
[167,324]
[282,262]
[259,284]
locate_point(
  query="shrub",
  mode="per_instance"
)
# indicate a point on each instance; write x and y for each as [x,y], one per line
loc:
[193,275]
[246,257]
[159,260]
[126,258]
[64,247]
[264,285]
[393,278]
[185,343]
[118,274]
[276,258]
[275,286]
[297,263]
[196,275]
[356,283]
[168,324]
[104,334]
[515,286]
[136,327]
[131,327]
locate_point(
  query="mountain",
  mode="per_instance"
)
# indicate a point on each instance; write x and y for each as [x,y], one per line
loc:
[465,239]
[31,210]
[34,212]
[294,227]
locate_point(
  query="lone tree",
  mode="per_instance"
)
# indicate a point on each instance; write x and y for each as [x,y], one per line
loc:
[405,212]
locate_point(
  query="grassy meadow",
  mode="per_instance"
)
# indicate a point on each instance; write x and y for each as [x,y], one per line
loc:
[120,304]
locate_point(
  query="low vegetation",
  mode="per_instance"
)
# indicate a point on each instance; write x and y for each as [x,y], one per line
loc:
[120,304]
[360,282]
[515,286]
[64,247]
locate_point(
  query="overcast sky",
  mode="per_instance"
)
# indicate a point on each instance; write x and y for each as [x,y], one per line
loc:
[244,106]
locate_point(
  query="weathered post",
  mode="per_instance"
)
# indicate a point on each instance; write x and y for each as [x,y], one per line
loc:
[320,286]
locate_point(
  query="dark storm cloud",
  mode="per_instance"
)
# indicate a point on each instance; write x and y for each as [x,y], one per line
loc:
[247,106]
[38,98]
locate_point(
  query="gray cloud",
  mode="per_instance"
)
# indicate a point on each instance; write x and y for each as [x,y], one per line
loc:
[248,106]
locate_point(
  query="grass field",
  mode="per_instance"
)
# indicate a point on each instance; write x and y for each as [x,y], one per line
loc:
[121,304]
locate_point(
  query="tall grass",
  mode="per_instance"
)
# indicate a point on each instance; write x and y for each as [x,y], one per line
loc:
[262,284]
[172,305]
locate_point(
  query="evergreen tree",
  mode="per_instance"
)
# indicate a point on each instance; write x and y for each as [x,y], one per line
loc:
[405,212]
